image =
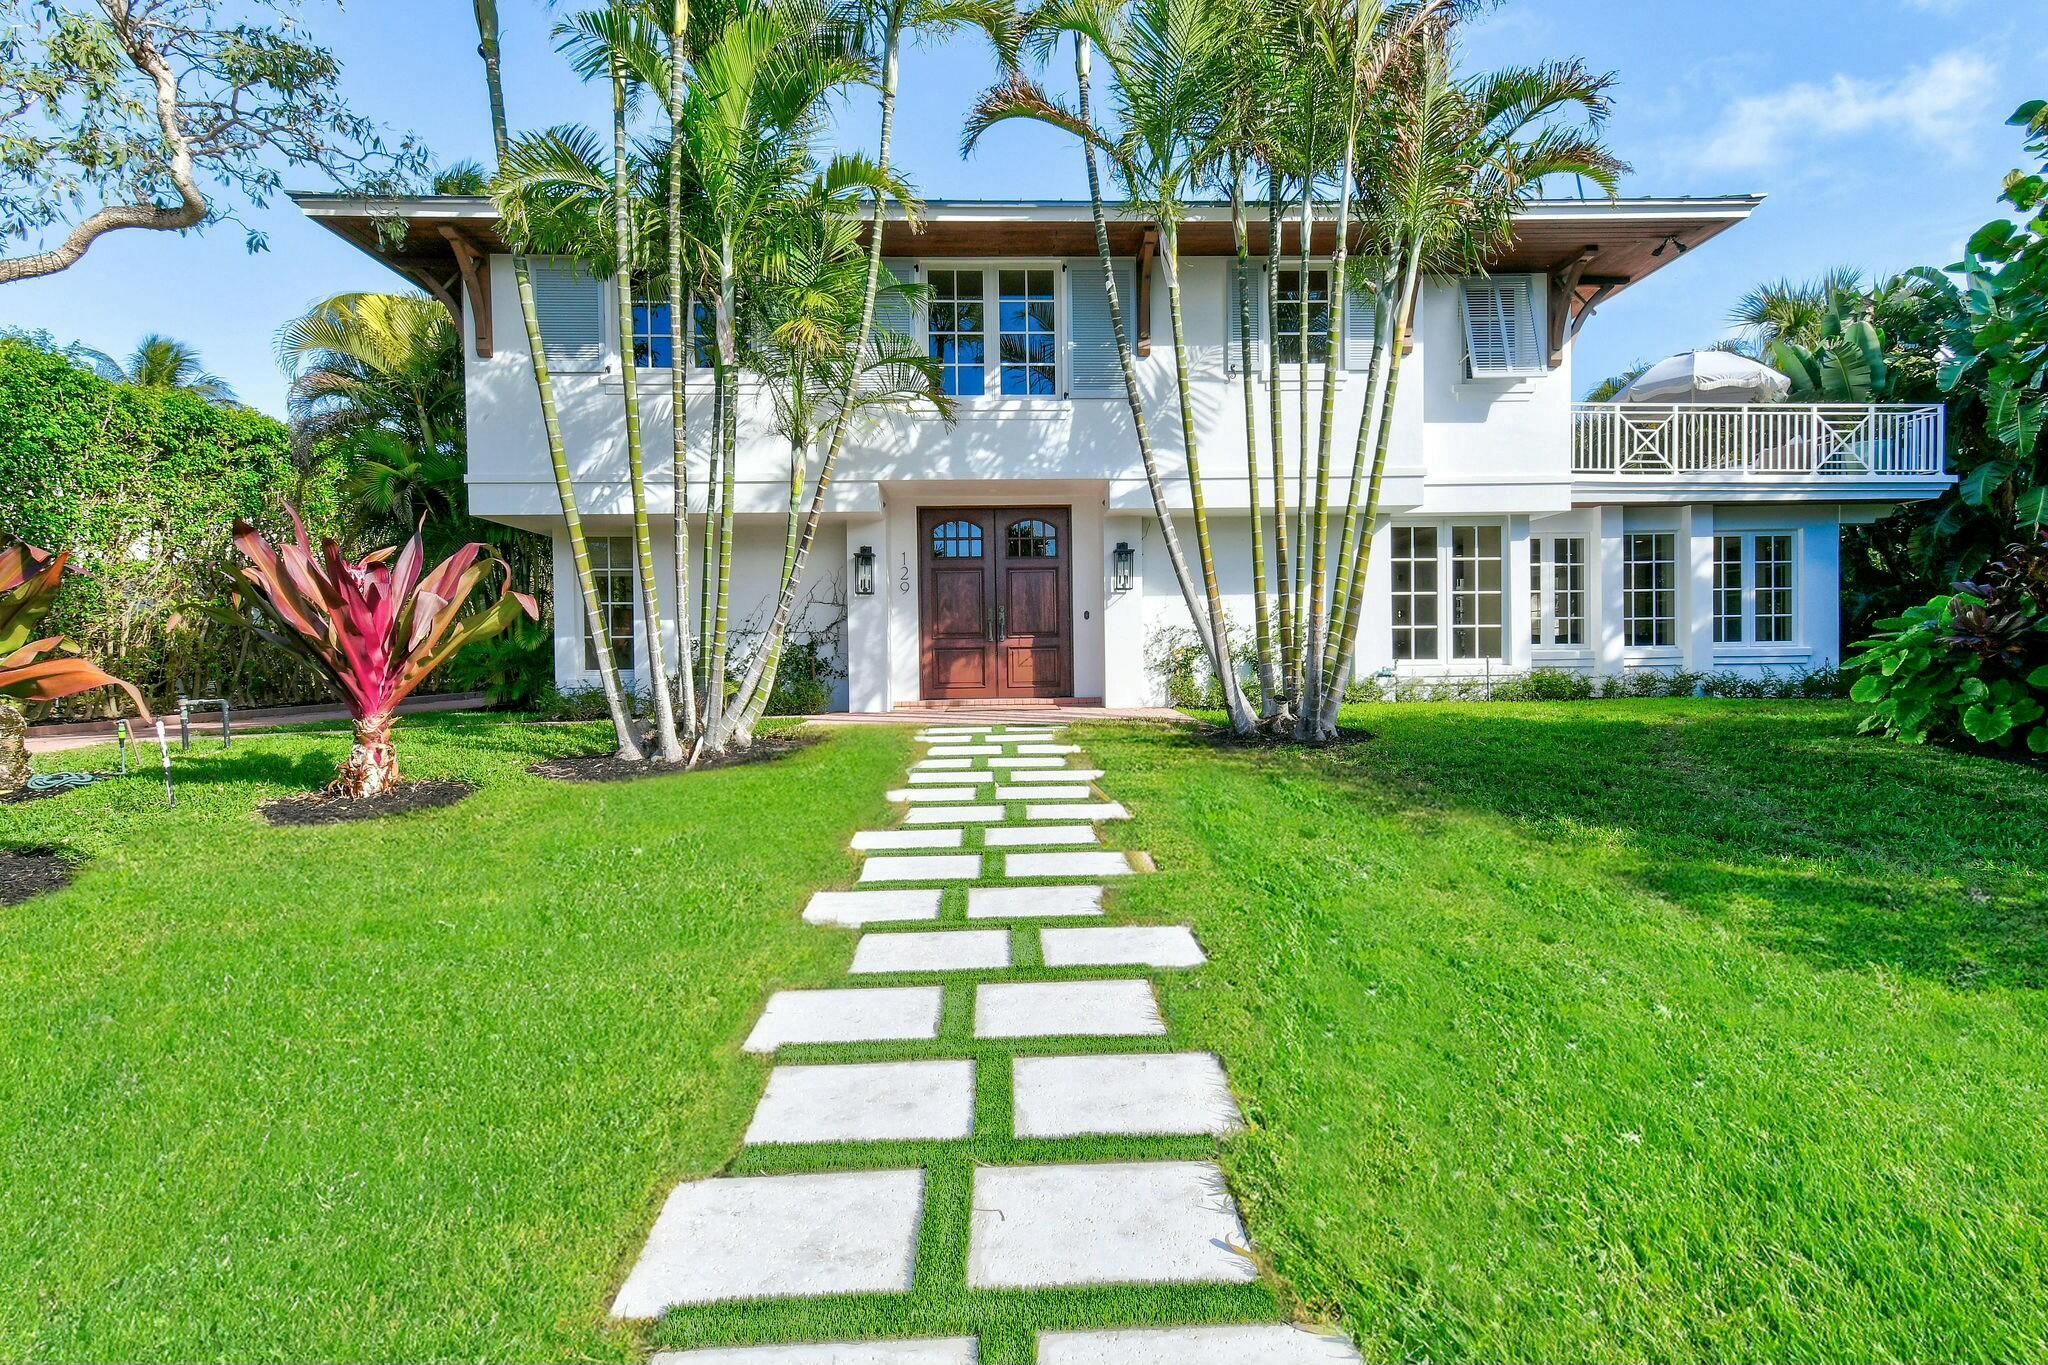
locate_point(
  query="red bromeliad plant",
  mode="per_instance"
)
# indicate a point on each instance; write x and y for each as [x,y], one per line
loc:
[376,627]
[33,669]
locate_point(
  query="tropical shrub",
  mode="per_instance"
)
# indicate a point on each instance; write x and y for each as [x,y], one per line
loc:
[514,670]
[1972,664]
[374,627]
[141,486]
[32,668]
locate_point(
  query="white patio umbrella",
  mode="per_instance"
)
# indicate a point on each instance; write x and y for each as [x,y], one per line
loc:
[1707,377]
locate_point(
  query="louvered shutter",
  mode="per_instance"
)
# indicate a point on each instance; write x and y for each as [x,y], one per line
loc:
[1500,328]
[1358,328]
[1233,351]
[893,312]
[569,303]
[1094,369]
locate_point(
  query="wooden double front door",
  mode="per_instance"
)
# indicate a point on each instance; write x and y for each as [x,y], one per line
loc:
[997,617]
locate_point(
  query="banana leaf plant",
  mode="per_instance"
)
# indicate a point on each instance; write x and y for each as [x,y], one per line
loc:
[375,627]
[32,668]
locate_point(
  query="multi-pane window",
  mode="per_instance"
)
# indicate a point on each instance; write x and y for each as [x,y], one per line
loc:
[1728,625]
[1415,588]
[956,540]
[1477,600]
[655,348]
[652,344]
[1753,588]
[1024,341]
[611,564]
[1650,589]
[1557,581]
[1774,589]
[955,331]
[1290,319]
[1033,539]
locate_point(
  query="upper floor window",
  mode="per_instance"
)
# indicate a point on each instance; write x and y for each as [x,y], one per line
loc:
[955,332]
[1649,590]
[1292,320]
[654,347]
[1500,328]
[1024,313]
[1753,576]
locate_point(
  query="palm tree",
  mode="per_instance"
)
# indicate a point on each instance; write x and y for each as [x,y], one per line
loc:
[1458,161]
[607,45]
[360,361]
[1170,69]
[162,362]
[883,25]
[579,545]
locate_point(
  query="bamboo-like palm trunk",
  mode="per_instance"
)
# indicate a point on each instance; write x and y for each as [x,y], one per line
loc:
[1387,323]
[1133,395]
[728,477]
[709,703]
[678,376]
[1276,435]
[551,423]
[1241,718]
[636,455]
[1306,549]
[1270,702]
[1353,607]
[760,679]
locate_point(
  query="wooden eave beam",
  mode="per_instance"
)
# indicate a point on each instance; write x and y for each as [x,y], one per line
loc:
[476,285]
[440,289]
[1591,292]
[1564,288]
[1148,247]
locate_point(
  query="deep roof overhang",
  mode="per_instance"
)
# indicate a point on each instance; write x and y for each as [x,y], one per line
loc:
[1590,249]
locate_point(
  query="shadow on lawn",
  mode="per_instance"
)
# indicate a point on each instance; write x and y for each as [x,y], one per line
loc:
[1775,820]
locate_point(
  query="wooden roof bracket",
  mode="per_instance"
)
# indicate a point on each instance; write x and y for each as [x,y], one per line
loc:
[476,286]
[1564,289]
[1148,247]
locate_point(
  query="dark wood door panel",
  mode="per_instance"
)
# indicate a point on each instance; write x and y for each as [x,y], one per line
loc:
[996,602]
[957,652]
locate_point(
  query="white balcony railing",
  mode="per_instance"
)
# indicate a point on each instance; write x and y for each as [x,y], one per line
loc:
[1808,440]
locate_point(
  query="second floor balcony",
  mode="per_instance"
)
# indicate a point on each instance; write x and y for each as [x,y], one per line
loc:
[1866,448]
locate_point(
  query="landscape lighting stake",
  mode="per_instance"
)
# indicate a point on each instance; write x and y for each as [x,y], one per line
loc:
[163,744]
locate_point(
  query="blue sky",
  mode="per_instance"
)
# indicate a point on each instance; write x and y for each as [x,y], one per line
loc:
[1875,126]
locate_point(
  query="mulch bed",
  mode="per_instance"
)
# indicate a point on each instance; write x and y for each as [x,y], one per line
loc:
[612,768]
[318,808]
[29,872]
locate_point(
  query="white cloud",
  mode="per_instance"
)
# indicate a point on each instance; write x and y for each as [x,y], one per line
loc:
[1940,105]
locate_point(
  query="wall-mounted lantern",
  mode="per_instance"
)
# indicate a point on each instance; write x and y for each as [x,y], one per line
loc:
[1126,566]
[864,571]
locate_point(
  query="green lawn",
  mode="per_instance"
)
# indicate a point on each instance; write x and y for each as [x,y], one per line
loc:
[1599,1030]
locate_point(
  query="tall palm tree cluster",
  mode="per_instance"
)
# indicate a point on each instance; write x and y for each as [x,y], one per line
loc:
[1345,117]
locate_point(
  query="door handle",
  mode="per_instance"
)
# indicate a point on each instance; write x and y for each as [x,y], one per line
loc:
[1002,621]
[988,623]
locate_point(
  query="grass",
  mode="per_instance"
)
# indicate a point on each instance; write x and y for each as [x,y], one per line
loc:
[1601,1030]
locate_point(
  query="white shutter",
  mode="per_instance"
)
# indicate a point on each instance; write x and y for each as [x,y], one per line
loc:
[1500,328]
[893,312]
[1358,329]
[1233,351]
[1094,368]
[569,304]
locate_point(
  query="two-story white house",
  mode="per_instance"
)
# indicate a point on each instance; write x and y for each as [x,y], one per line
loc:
[1015,552]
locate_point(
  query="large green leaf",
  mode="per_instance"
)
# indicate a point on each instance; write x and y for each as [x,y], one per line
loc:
[2031,508]
[1981,483]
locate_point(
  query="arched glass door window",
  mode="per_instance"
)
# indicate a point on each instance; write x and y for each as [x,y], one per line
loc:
[956,540]
[1033,539]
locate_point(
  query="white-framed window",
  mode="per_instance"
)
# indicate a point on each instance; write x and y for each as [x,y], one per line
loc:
[1027,358]
[1754,574]
[611,564]
[1296,322]
[1414,564]
[1500,328]
[1557,590]
[1649,592]
[995,329]
[1465,563]
[654,348]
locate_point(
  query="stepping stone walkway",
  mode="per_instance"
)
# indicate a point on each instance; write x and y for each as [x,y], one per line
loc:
[986,986]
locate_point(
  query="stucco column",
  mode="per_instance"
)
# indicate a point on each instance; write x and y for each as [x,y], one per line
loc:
[1696,587]
[1606,594]
[867,618]
[1817,586]
[1515,645]
[1124,681]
